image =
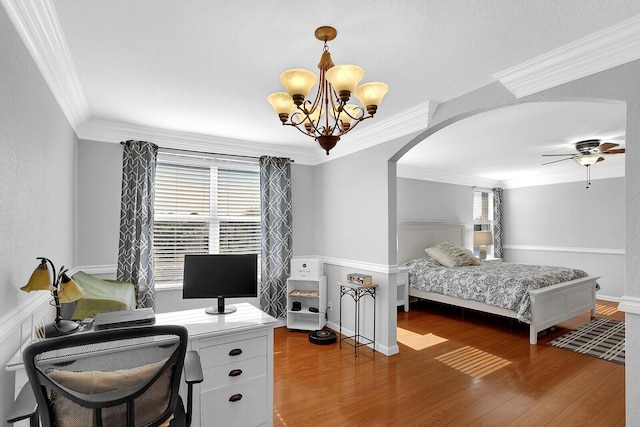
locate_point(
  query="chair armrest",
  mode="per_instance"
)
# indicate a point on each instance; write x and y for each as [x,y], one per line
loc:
[192,368]
[192,375]
[25,406]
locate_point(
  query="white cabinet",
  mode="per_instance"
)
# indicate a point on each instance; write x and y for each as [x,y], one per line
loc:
[236,353]
[306,303]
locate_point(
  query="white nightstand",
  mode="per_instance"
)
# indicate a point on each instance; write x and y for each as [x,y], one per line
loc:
[403,288]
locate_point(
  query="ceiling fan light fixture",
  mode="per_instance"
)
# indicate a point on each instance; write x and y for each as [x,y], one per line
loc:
[588,159]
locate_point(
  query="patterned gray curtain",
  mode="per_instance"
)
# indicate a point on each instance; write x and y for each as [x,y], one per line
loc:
[277,233]
[135,251]
[497,222]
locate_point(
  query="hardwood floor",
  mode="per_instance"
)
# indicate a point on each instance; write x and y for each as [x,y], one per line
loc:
[452,369]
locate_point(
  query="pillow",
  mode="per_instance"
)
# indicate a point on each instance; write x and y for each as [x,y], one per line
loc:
[149,405]
[452,256]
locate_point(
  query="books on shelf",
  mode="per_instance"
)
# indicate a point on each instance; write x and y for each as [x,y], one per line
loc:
[359,278]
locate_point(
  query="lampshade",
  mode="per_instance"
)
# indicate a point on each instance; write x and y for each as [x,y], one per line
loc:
[281,102]
[313,116]
[344,77]
[481,238]
[348,114]
[40,279]
[68,289]
[370,94]
[63,290]
[588,159]
[298,81]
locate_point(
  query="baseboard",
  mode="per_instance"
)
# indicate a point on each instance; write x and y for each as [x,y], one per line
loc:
[386,350]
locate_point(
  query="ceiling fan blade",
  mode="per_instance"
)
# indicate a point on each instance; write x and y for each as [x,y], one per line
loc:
[618,151]
[561,160]
[600,159]
[606,146]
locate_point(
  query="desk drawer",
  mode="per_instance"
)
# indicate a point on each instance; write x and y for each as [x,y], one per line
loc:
[229,352]
[234,373]
[248,409]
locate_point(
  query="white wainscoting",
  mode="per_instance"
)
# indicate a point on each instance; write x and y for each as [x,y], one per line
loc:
[608,263]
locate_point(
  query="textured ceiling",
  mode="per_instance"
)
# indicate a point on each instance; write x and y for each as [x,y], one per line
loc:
[206,67]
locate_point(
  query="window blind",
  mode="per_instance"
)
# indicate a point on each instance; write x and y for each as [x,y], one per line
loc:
[203,205]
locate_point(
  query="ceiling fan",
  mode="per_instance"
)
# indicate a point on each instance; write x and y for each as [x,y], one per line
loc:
[589,152]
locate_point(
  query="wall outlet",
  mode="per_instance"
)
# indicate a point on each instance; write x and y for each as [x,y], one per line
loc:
[329,305]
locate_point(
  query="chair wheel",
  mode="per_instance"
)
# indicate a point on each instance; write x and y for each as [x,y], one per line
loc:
[322,337]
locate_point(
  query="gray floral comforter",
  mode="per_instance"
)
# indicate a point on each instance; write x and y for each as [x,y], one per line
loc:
[500,284]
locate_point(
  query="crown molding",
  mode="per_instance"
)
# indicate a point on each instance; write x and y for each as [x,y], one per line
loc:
[114,131]
[602,50]
[412,172]
[37,24]
[414,119]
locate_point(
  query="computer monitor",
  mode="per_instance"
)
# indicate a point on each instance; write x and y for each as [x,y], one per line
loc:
[220,276]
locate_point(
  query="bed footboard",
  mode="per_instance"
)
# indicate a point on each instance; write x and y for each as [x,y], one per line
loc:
[557,303]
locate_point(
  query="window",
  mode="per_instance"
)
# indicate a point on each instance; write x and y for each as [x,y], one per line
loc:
[203,205]
[482,212]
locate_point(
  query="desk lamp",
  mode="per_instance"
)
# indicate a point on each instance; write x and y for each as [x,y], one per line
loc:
[62,288]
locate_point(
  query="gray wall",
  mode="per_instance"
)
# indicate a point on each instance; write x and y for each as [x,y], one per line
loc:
[564,224]
[420,200]
[567,224]
[99,187]
[37,195]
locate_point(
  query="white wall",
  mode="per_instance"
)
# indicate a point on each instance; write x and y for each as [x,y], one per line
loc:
[37,195]
[570,225]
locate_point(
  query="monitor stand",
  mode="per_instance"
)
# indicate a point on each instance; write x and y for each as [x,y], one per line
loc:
[221,308]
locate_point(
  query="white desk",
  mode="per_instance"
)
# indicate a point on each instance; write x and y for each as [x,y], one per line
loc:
[236,352]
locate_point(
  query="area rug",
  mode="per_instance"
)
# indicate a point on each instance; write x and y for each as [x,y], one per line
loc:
[601,338]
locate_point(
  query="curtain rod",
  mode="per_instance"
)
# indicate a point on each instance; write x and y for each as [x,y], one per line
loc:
[175,150]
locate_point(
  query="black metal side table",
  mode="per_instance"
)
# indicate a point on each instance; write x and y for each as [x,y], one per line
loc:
[357,292]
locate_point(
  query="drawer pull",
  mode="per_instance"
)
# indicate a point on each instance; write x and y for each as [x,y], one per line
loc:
[235,352]
[235,398]
[235,372]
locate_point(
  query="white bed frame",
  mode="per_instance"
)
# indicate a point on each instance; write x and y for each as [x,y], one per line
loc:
[549,306]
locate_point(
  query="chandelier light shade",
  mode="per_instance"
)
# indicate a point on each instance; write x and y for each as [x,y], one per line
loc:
[63,290]
[328,116]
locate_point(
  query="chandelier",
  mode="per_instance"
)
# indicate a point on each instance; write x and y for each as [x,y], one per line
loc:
[329,115]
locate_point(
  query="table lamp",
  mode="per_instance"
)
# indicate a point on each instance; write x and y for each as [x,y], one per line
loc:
[481,239]
[62,288]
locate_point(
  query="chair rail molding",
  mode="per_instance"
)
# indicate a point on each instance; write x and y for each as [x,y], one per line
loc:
[14,319]
[568,249]
[630,304]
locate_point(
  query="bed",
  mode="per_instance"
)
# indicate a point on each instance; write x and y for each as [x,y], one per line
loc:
[542,307]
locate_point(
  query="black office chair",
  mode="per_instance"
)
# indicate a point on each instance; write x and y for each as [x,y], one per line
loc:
[117,377]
